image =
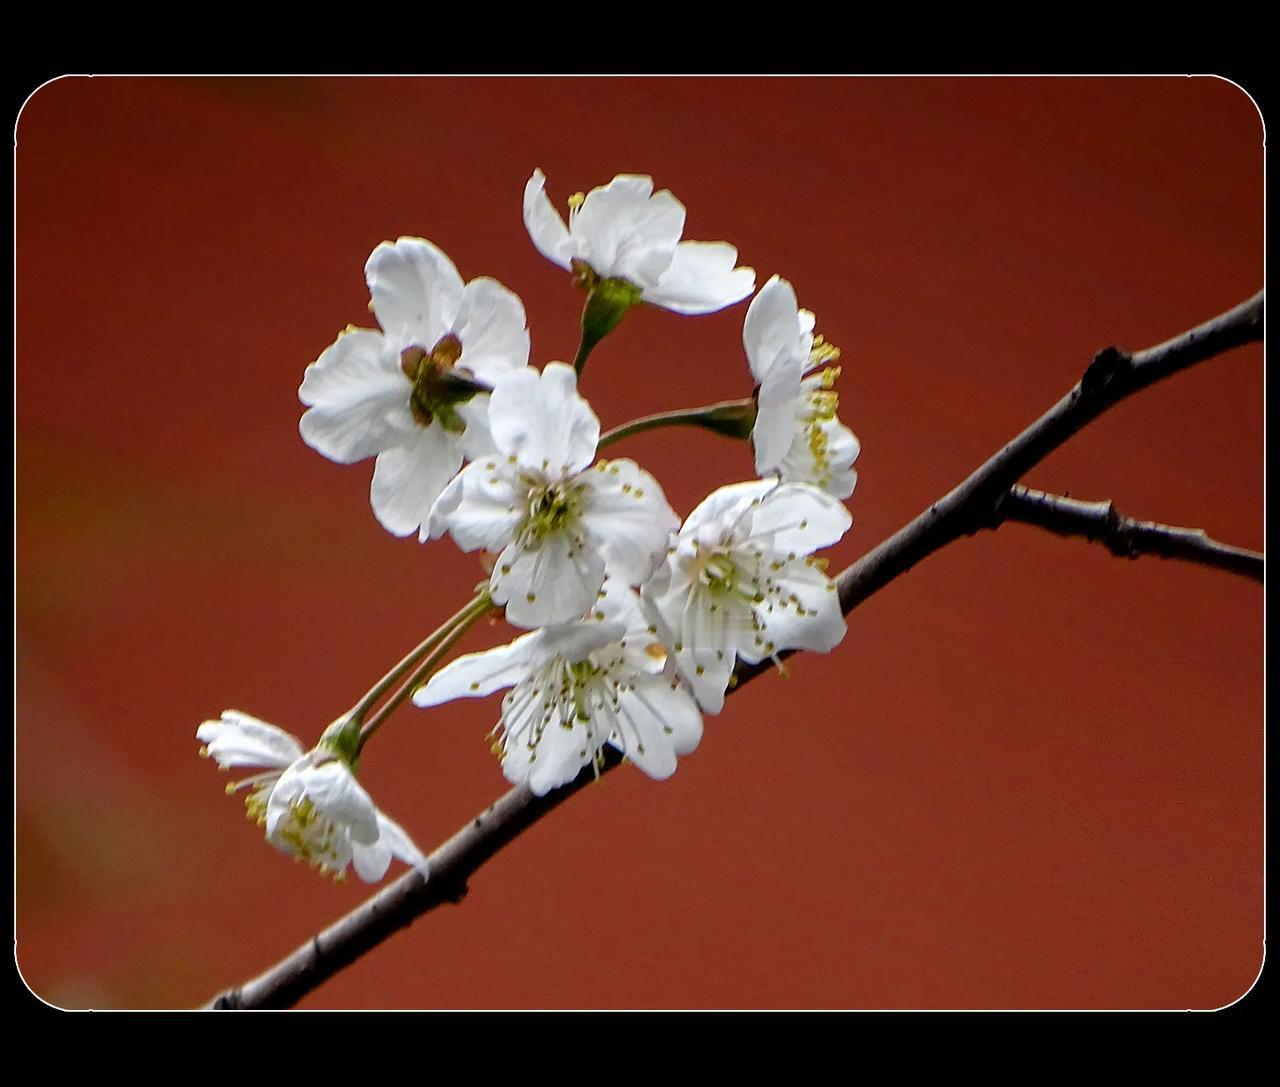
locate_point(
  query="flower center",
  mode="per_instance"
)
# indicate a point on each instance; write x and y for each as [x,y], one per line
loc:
[437,386]
[309,835]
[551,508]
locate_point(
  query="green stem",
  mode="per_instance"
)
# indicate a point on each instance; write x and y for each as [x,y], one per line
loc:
[732,418]
[584,349]
[468,616]
[388,681]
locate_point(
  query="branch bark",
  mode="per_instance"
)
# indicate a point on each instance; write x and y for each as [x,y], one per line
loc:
[972,506]
[1126,537]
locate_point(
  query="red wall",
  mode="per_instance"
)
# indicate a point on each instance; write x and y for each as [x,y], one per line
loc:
[1029,777]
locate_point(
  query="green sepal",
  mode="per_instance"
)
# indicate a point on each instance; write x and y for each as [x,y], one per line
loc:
[342,738]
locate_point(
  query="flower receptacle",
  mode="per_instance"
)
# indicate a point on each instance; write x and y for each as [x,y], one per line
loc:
[342,738]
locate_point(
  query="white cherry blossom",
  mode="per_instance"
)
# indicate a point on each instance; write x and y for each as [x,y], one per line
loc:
[742,581]
[403,394]
[626,231]
[576,686]
[796,434]
[309,802]
[559,524]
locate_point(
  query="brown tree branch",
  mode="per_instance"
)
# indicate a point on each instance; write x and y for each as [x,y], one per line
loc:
[972,506]
[1124,536]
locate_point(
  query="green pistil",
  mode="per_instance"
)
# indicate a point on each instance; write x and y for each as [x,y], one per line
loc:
[551,508]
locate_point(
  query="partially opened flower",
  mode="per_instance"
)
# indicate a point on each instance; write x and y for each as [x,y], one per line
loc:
[559,525]
[742,581]
[309,802]
[575,687]
[414,394]
[626,233]
[796,434]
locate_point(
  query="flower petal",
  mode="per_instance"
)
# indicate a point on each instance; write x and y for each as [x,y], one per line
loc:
[542,421]
[776,406]
[800,519]
[559,753]
[416,291]
[480,508]
[702,279]
[408,479]
[237,739]
[553,583]
[806,616]
[771,329]
[490,324]
[371,861]
[714,518]
[623,231]
[475,675]
[336,794]
[394,835]
[358,396]
[658,720]
[626,513]
[546,228]
[476,440]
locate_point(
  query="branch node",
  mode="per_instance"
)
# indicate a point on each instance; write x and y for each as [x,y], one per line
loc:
[1108,364]
[227,1001]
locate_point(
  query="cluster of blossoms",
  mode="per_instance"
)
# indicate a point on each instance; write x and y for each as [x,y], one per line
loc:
[635,620]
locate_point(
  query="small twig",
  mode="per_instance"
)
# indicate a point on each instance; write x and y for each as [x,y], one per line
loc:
[969,508]
[1124,536]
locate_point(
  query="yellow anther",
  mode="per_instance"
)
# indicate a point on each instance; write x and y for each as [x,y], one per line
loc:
[576,201]
[204,752]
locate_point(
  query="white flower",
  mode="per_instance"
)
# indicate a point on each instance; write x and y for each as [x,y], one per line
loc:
[309,802]
[797,434]
[625,231]
[401,394]
[577,686]
[742,581]
[559,526]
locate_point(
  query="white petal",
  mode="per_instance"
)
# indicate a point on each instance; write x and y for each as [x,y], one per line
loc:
[707,643]
[834,472]
[337,795]
[622,231]
[575,641]
[702,279]
[393,834]
[776,406]
[553,583]
[542,421]
[407,480]
[820,628]
[546,228]
[658,721]
[626,513]
[799,519]
[238,739]
[371,861]
[416,291]
[476,440]
[559,755]
[287,789]
[771,330]
[475,675]
[481,508]
[490,325]
[722,510]
[358,396]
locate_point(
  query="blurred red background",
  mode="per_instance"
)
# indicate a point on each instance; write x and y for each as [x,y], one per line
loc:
[1031,776]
